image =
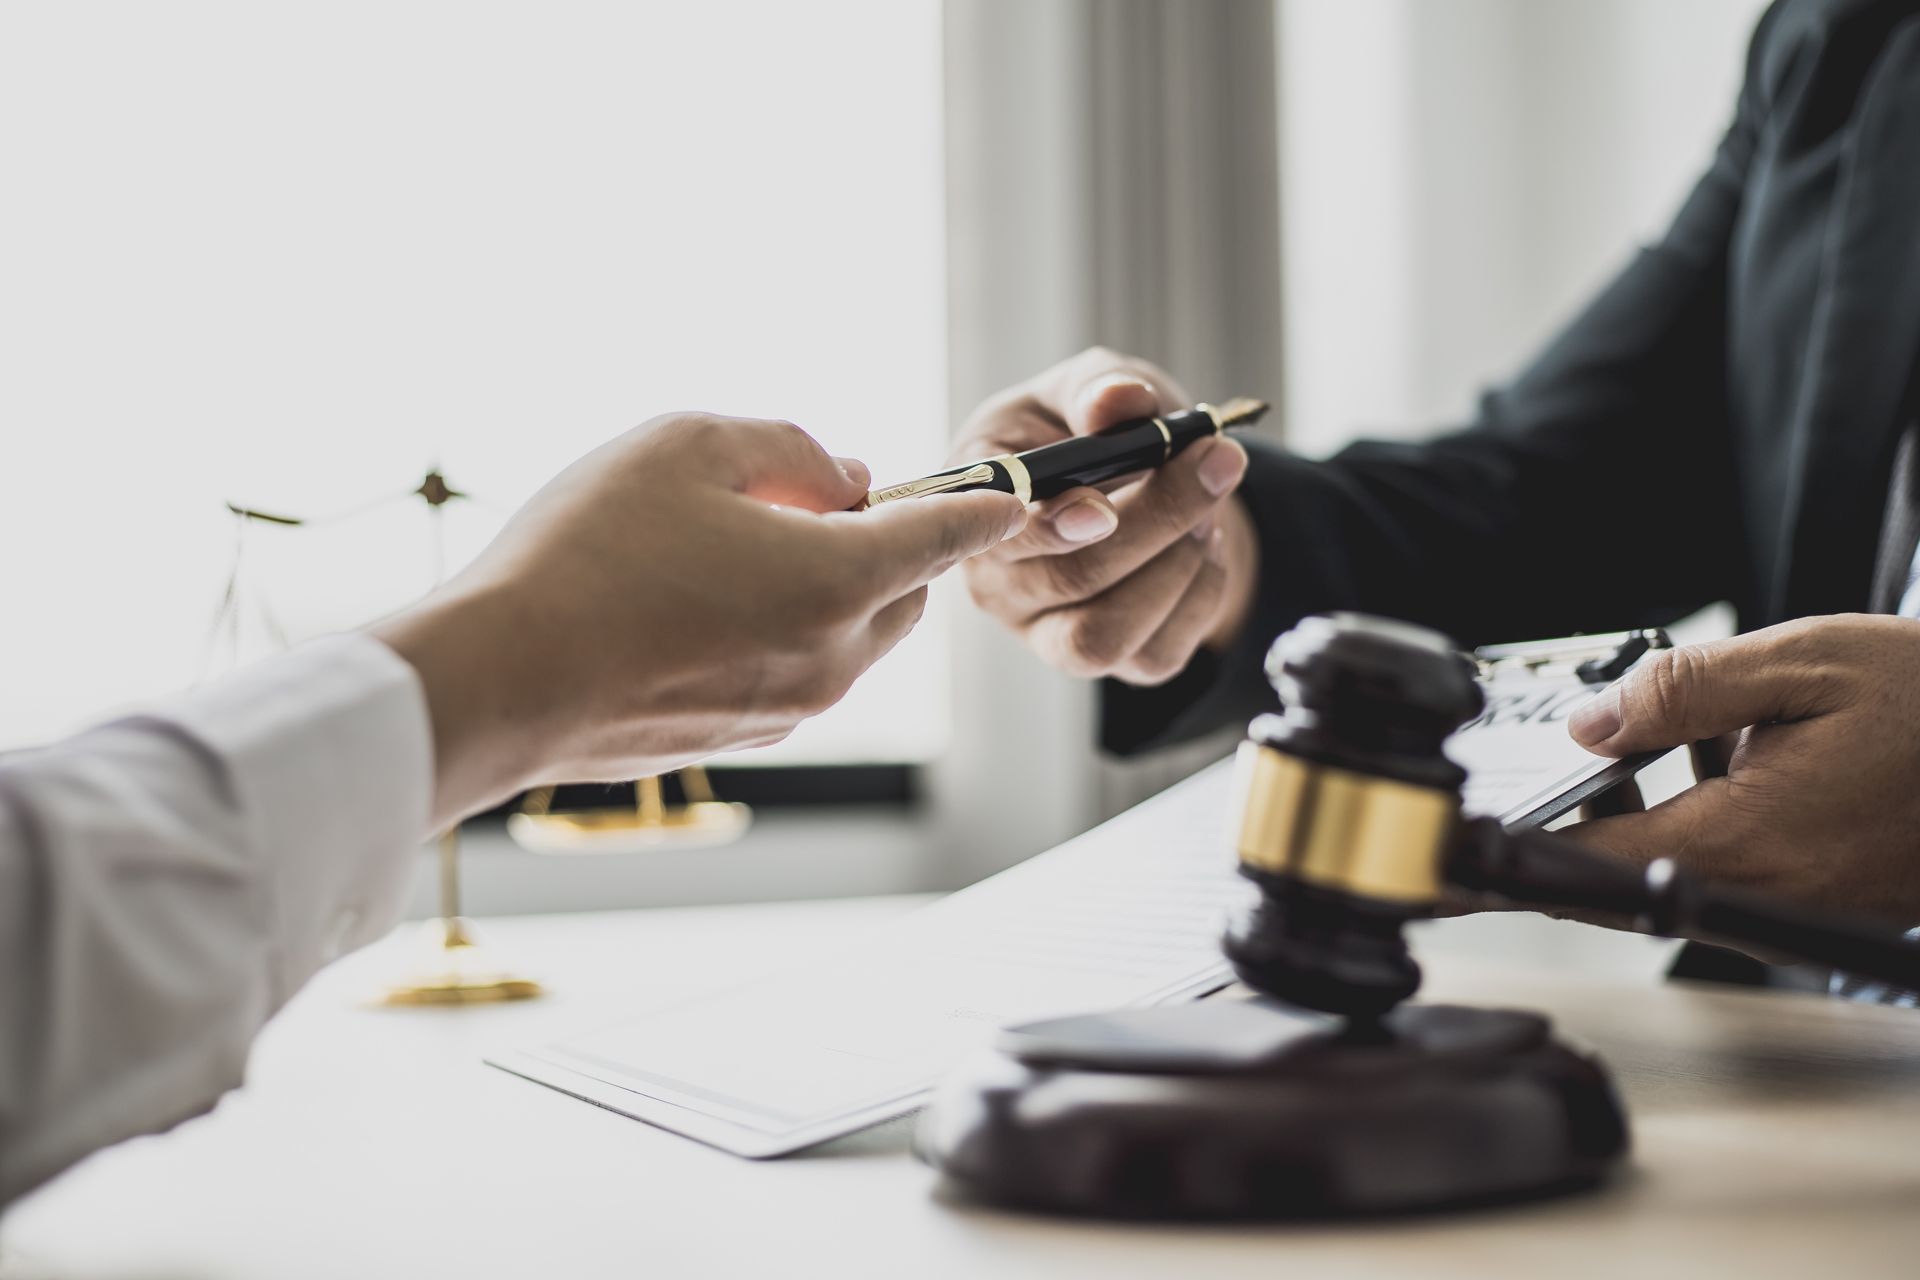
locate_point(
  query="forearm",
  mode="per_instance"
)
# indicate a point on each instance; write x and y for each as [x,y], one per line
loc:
[1595,491]
[168,882]
[1493,533]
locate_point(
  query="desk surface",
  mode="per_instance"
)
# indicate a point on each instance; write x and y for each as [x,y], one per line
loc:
[1775,1135]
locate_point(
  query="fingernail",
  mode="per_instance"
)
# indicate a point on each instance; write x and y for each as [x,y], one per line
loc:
[1217,548]
[1222,467]
[1085,521]
[1016,525]
[856,471]
[1204,530]
[1596,719]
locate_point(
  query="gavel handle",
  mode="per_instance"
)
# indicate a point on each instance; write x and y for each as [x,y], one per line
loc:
[1545,869]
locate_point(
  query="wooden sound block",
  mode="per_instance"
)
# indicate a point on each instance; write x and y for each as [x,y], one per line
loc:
[1242,1109]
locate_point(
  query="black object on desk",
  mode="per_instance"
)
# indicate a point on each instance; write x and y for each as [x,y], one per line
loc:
[1234,1109]
[1329,1096]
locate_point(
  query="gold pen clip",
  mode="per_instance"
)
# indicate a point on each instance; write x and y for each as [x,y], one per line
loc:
[979,473]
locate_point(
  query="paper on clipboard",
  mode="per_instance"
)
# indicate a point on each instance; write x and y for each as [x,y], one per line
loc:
[1128,914]
[1522,765]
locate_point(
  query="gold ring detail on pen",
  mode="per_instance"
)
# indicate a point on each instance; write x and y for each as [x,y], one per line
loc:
[1166,437]
[1213,416]
[1332,827]
[1017,472]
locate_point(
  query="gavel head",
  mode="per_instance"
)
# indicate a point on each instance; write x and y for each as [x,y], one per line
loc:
[1345,809]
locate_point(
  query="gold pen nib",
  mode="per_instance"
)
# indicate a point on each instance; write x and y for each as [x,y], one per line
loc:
[1241,411]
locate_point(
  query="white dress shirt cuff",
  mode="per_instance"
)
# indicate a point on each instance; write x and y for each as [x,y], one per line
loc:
[329,751]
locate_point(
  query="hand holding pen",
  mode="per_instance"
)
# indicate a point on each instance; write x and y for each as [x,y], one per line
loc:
[1128,584]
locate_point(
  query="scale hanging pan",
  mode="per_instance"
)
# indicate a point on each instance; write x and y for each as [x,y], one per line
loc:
[698,821]
[450,964]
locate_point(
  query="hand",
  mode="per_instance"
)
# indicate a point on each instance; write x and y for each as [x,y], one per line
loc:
[1131,584]
[1819,804]
[653,605]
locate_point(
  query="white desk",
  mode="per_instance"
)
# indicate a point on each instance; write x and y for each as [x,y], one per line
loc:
[1776,1135]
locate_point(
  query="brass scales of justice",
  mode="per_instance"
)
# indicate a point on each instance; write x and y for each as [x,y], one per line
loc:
[454,967]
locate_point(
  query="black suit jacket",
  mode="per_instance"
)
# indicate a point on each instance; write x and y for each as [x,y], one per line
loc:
[1718,424]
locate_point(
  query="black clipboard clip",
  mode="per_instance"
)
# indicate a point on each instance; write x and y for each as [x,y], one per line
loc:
[1567,665]
[1592,660]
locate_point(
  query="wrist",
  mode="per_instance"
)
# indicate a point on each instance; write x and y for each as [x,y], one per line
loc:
[480,676]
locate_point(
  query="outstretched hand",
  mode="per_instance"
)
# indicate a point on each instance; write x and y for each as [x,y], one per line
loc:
[694,586]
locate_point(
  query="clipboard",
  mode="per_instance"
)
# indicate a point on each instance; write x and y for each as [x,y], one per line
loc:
[1522,766]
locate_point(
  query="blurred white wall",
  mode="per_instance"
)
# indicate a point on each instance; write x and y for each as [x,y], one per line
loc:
[1457,175]
[292,255]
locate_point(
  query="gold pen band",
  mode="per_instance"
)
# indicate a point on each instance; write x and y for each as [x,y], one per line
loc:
[1018,473]
[1213,416]
[1166,438]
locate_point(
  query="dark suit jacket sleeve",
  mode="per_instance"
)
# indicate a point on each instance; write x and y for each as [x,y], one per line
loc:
[1595,492]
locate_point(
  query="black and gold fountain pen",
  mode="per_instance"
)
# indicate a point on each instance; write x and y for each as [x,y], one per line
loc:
[1139,445]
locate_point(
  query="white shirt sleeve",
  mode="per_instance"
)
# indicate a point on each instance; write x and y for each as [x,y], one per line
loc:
[169,880]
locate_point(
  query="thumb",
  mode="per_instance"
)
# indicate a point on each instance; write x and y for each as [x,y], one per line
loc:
[1099,388]
[1111,399]
[777,462]
[1677,696]
[909,544]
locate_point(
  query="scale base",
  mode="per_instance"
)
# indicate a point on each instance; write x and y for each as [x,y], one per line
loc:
[1241,1109]
[682,826]
[456,969]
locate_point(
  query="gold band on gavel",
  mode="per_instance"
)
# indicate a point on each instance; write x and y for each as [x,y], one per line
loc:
[1341,830]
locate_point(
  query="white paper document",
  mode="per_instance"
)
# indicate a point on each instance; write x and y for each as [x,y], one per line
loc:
[1522,765]
[1128,914]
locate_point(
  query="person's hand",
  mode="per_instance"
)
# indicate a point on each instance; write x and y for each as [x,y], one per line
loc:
[695,585]
[1820,804]
[1128,584]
